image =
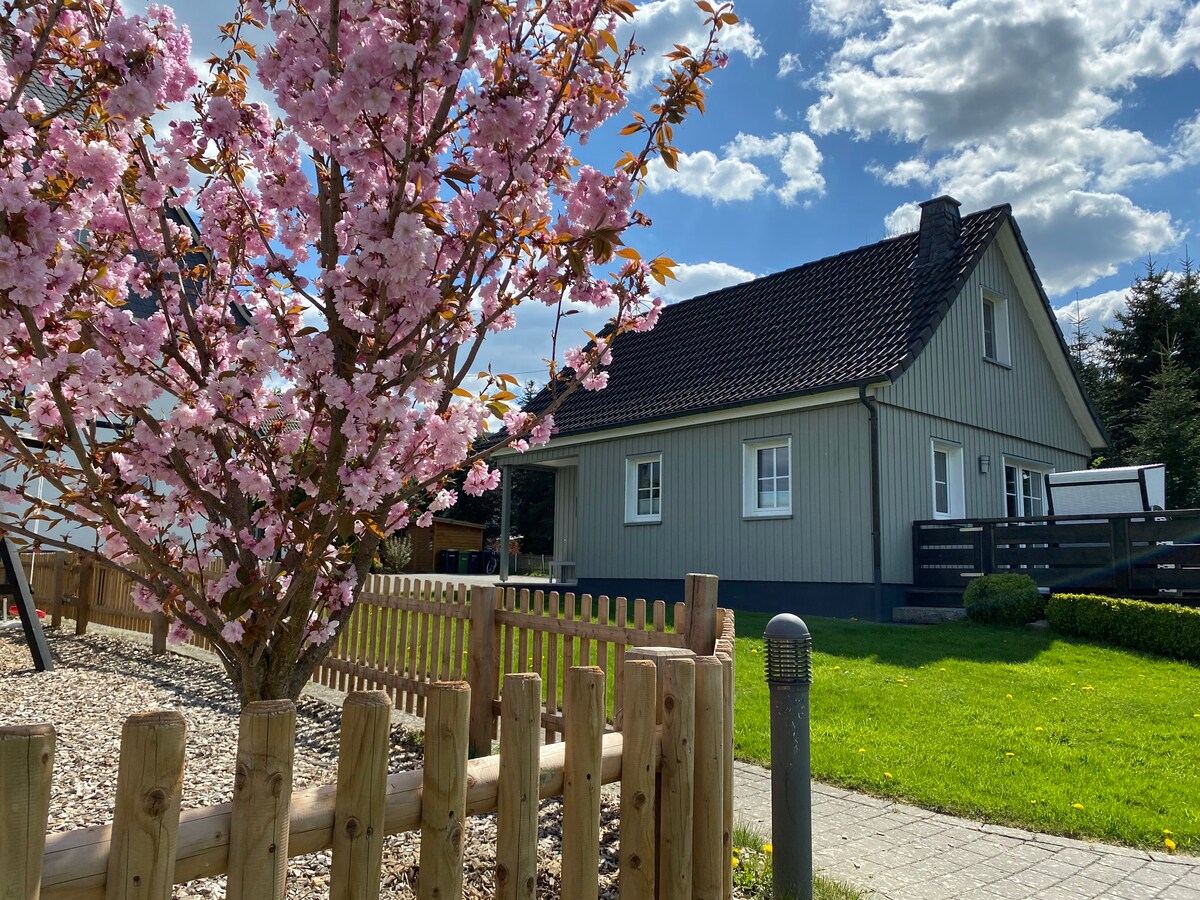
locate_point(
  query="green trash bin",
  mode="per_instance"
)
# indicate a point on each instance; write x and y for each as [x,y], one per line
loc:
[464,562]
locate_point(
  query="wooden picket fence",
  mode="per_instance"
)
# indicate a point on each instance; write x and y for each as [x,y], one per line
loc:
[406,634]
[673,758]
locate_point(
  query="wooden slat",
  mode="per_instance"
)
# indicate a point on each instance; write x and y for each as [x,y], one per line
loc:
[262,795]
[604,617]
[1183,529]
[578,628]
[568,660]
[26,769]
[523,634]
[516,803]
[552,667]
[1076,557]
[361,790]
[1081,533]
[460,627]
[660,616]
[619,661]
[584,689]
[510,603]
[638,771]
[1154,578]
[678,771]
[539,635]
[1172,554]
[959,557]
[444,793]
[586,614]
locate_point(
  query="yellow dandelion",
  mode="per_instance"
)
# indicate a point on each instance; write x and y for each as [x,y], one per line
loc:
[1010,755]
[735,862]
[941,668]
[1033,802]
[1039,728]
[862,749]
[887,774]
[1169,844]
[1053,698]
[1196,715]
[1168,832]
[1087,687]
[753,649]
[837,668]
[1077,805]
[1008,696]
[767,848]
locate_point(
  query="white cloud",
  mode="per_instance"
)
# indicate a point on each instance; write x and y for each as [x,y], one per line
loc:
[700,278]
[1097,311]
[702,174]
[780,115]
[839,17]
[660,25]
[1015,101]
[789,63]
[732,177]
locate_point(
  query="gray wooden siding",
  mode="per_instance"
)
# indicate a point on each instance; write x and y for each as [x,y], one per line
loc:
[566,504]
[906,476]
[827,538]
[951,378]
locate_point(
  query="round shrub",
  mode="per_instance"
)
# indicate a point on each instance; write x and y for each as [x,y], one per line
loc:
[1004,600]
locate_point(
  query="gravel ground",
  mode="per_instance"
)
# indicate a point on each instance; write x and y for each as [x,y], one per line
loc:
[99,680]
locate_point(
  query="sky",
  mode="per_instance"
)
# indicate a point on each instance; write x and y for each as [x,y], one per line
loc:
[834,118]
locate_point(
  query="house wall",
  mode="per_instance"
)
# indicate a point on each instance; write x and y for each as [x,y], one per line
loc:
[566,518]
[826,539]
[951,392]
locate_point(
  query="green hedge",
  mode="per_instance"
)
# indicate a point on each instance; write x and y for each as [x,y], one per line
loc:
[1164,628]
[1007,599]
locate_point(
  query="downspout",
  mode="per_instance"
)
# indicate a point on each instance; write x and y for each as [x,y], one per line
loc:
[876,514]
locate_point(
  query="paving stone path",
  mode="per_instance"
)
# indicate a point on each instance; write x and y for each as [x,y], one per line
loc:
[896,852]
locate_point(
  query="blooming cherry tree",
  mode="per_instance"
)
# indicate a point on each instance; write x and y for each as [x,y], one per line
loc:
[308,375]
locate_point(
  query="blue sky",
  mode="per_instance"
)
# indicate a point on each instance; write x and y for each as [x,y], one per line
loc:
[834,118]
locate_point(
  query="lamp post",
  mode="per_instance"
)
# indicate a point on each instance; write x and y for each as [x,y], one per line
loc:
[789,677]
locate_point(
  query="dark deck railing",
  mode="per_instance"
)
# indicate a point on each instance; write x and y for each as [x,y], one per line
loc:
[1151,555]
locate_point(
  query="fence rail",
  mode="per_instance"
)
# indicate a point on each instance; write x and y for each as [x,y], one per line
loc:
[151,845]
[405,634]
[1150,555]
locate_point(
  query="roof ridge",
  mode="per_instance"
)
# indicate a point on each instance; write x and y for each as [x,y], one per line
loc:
[1007,207]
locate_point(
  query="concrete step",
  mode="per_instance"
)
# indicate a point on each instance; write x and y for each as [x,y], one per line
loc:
[926,615]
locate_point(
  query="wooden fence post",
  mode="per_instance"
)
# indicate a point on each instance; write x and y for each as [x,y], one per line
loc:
[517,795]
[26,765]
[262,794]
[60,586]
[483,668]
[700,596]
[727,672]
[145,828]
[639,766]
[361,793]
[708,803]
[584,714]
[678,764]
[87,580]
[444,791]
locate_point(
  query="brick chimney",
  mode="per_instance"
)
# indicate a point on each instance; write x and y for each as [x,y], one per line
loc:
[941,228]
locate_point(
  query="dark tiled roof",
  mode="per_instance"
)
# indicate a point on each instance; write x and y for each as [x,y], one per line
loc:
[858,316]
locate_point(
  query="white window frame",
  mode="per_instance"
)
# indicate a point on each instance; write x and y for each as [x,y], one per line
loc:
[751,476]
[632,465]
[1001,350]
[956,506]
[1024,468]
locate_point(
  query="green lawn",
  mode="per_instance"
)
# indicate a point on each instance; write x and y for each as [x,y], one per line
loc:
[1005,724]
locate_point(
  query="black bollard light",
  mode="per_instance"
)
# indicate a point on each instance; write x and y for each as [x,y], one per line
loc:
[789,677]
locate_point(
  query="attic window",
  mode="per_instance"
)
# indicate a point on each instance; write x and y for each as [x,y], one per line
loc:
[995,329]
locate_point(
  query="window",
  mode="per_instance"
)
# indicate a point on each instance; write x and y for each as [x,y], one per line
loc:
[767,477]
[643,488]
[995,329]
[947,471]
[1024,489]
